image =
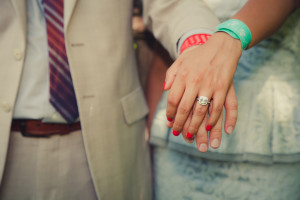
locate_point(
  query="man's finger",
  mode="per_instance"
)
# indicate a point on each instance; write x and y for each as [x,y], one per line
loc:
[231,107]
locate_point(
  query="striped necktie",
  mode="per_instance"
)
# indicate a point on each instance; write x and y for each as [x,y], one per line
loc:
[62,94]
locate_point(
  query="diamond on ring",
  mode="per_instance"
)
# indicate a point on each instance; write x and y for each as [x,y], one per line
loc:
[202,100]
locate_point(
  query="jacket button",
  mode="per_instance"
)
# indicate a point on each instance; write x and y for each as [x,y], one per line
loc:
[6,107]
[18,54]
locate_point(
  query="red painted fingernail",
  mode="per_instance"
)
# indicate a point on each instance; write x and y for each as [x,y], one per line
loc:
[175,133]
[169,119]
[189,136]
[208,127]
[164,86]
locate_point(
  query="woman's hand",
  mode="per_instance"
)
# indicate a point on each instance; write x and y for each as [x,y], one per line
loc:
[205,70]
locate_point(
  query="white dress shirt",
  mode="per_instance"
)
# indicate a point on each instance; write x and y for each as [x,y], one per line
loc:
[33,96]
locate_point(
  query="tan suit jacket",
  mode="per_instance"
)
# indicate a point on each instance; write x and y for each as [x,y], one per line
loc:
[111,103]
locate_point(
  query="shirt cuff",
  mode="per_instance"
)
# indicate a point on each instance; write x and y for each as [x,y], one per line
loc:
[188,34]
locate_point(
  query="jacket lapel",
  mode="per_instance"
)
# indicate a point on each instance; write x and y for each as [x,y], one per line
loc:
[20,8]
[68,11]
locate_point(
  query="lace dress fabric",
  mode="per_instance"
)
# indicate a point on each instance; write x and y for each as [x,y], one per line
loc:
[261,159]
[179,176]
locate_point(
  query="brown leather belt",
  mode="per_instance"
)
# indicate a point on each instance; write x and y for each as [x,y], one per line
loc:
[36,128]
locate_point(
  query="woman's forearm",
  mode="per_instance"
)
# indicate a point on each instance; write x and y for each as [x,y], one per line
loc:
[264,17]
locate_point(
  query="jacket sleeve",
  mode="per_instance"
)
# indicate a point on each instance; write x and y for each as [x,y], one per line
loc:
[168,20]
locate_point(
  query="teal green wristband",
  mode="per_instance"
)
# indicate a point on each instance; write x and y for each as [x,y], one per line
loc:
[236,29]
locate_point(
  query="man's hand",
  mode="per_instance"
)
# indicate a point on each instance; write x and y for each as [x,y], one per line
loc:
[214,138]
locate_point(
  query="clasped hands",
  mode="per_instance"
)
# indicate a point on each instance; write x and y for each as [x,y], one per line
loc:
[203,70]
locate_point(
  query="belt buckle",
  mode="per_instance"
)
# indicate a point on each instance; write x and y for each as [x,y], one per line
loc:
[24,132]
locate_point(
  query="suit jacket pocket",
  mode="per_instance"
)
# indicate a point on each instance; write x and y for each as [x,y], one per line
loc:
[134,106]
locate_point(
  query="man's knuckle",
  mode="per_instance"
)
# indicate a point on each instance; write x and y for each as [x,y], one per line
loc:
[217,131]
[217,108]
[233,119]
[233,105]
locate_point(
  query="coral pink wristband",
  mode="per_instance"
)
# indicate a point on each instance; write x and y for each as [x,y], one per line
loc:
[194,40]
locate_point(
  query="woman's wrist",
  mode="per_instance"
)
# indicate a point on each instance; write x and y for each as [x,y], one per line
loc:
[228,43]
[236,29]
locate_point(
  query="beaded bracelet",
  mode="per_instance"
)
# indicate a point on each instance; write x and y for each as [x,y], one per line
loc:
[236,29]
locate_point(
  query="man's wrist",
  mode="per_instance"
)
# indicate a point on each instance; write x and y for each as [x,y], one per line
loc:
[186,35]
[193,40]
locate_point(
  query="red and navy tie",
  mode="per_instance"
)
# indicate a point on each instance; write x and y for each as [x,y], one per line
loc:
[62,94]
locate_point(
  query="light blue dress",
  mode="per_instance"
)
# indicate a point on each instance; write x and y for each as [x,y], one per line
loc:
[261,159]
